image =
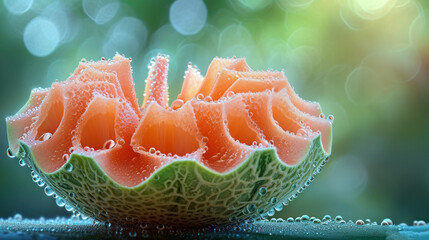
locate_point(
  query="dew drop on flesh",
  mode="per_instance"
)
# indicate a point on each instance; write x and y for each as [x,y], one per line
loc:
[45,136]
[109,144]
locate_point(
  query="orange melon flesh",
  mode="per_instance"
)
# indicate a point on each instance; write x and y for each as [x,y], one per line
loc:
[120,66]
[245,85]
[222,153]
[51,151]
[94,113]
[216,67]
[107,120]
[261,81]
[228,77]
[285,111]
[20,123]
[191,84]
[169,132]
[290,147]
[240,126]
[156,82]
[91,74]
[311,108]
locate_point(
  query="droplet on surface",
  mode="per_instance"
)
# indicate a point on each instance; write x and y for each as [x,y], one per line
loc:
[17,217]
[48,191]
[9,153]
[262,191]
[45,136]
[69,167]
[21,163]
[109,144]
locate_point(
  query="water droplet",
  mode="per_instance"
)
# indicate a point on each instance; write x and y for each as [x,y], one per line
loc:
[109,144]
[338,218]
[262,191]
[360,222]
[273,200]
[45,136]
[17,217]
[386,221]
[420,223]
[65,157]
[316,221]
[40,183]
[271,212]
[68,94]
[121,141]
[200,96]
[322,115]
[10,153]
[68,207]
[290,219]
[279,207]
[176,104]
[331,118]
[60,202]
[160,227]
[230,94]
[208,99]
[205,139]
[305,218]
[71,195]
[152,150]
[48,191]
[69,167]
[21,163]
[251,207]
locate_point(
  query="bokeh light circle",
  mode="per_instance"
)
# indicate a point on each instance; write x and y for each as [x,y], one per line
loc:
[100,11]
[362,85]
[289,4]
[252,5]
[41,37]
[188,17]
[127,36]
[18,6]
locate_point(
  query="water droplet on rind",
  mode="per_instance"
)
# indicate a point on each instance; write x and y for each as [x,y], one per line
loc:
[48,191]
[10,153]
[262,191]
[60,202]
[68,167]
[21,163]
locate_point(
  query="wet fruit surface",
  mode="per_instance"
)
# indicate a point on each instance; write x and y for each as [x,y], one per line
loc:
[235,144]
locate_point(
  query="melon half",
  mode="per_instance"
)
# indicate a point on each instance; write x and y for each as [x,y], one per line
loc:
[234,145]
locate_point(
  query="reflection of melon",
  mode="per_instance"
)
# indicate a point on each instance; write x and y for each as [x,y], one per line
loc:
[235,143]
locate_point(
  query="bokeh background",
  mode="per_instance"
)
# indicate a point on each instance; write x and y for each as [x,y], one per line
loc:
[365,61]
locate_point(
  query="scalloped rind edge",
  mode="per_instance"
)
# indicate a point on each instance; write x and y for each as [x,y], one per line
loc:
[201,196]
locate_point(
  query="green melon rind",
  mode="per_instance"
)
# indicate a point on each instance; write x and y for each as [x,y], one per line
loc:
[182,192]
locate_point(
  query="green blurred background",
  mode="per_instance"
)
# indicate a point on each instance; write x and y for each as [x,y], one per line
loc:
[365,61]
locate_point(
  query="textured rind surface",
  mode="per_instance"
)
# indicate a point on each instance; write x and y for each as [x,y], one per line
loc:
[181,192]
